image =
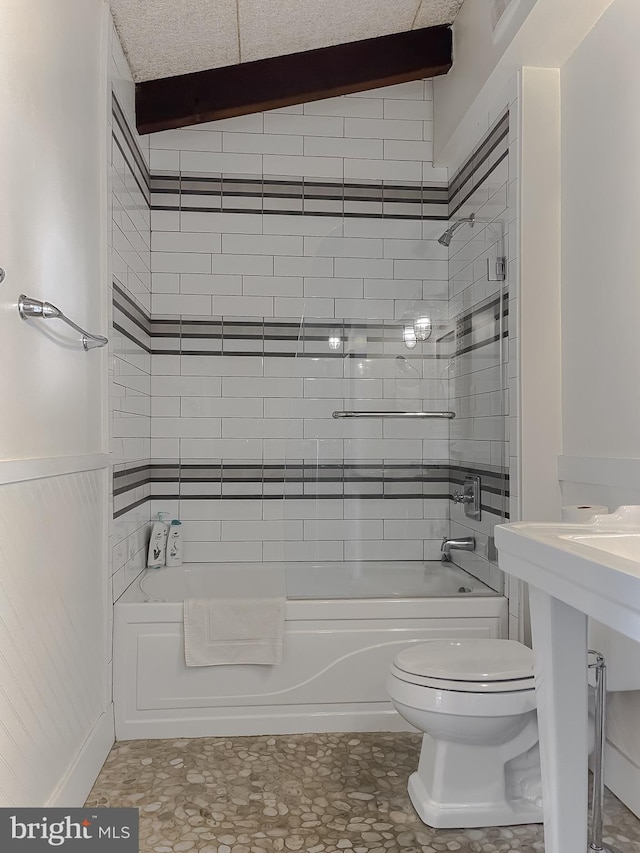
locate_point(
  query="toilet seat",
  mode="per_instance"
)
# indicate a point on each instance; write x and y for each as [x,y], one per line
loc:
[462,703]
[472,667]
[467,661]
[511,686]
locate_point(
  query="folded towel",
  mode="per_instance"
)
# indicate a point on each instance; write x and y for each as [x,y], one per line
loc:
[233,630]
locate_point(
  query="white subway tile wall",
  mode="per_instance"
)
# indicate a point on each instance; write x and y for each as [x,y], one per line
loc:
[129,274]
[288,253]
[268,259]
[483,306]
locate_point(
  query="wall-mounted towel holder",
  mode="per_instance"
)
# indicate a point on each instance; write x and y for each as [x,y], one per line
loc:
[28,308]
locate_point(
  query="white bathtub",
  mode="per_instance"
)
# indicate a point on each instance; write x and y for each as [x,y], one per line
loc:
[345,622]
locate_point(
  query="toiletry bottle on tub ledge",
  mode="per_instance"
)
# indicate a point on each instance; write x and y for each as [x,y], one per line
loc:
[174,544]
[157,543]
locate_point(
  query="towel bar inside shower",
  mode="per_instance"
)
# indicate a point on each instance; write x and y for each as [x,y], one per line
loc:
[440,415]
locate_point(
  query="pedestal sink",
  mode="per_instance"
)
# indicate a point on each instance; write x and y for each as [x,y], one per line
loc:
[574,571]
[625,545]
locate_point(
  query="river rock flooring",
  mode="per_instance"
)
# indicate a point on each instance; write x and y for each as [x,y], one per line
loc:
[316,793]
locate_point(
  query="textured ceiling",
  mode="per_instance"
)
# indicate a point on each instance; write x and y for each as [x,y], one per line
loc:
[162,38]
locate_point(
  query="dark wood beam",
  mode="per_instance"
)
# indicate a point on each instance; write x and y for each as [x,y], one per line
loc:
[293,79]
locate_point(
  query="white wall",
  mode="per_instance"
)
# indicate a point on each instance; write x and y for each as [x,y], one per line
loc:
[540,429]
[51,161]
[601,299]
[600,226]
[540,33]
[54,695]
[475,55]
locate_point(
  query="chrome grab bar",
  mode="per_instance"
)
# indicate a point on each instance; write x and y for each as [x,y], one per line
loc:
[448,415]
[28,307]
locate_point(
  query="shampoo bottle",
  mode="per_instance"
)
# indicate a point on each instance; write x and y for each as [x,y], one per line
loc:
[174,544]
[157,543]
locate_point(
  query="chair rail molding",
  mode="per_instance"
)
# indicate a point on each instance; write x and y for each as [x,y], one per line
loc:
[19,470]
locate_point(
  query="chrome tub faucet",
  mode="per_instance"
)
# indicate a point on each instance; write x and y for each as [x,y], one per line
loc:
[464,543]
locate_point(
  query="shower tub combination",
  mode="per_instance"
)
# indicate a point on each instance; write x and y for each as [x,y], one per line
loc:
[345,622]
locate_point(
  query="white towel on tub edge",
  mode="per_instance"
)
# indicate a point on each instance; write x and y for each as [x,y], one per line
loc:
[227,631]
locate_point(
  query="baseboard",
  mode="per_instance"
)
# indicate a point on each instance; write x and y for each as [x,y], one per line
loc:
[265,723]
[622,777]
[74,787]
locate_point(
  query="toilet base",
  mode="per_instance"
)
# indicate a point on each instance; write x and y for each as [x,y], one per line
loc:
[462,815]
[463,785]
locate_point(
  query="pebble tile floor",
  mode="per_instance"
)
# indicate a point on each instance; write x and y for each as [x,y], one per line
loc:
[314,793]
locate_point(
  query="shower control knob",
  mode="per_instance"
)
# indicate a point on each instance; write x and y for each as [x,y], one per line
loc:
[469,497]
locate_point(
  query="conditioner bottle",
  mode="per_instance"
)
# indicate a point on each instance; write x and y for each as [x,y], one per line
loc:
[157,543]
[174,544]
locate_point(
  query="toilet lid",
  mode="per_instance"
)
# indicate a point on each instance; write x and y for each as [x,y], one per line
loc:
[467,660]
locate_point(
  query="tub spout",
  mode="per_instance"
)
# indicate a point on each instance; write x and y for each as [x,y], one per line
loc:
[465,543]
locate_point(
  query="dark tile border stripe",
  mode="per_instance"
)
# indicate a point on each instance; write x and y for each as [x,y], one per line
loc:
[480,181]
[295,477]
[131,308]
[301,338]
[298,197]
[479,154]
[497,136]
[140,170]
[376,199]
[484,317]
[141,186]
[135,505]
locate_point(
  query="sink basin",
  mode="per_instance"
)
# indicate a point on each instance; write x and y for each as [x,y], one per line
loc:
[625,545]
[595,569]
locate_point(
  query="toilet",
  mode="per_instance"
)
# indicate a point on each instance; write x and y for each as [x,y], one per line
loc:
[475,702]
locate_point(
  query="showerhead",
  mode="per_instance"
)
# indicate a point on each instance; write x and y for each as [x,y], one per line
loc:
[445,240]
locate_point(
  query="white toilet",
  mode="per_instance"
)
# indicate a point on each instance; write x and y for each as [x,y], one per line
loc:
[475,702]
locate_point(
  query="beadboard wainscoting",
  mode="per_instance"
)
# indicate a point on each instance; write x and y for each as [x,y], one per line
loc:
[53,651]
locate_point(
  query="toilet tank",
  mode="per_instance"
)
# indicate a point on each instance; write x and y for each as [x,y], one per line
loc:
[622,656]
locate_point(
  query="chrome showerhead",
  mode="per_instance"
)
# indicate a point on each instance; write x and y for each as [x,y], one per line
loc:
[445,240]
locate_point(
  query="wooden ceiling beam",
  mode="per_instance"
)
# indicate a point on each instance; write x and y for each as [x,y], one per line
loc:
[296,78]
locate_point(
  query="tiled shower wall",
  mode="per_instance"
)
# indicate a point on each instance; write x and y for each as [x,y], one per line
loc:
[129,258]
[285,271]
[294,232]
[483,306]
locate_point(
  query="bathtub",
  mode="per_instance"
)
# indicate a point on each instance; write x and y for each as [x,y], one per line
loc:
[345,622]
